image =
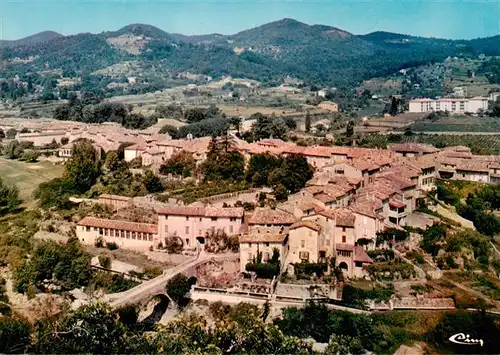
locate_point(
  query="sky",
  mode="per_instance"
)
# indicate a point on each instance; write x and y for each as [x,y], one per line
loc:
[454,19]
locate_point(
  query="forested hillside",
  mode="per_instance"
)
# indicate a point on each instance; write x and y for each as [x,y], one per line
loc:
[321,54]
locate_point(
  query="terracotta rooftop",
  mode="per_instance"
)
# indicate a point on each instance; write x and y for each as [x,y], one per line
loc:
[344,217]
[361,256]
[263,215]
[190,211]
[308,224]
[121,225]
[345,247]
[262,238]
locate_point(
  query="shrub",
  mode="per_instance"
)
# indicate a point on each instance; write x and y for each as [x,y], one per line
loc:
[263,270]
[111,246]
[104,261]
[177,289]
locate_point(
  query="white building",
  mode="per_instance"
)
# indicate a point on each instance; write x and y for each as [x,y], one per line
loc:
[452,105]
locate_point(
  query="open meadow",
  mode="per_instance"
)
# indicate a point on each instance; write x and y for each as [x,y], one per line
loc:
[27,176]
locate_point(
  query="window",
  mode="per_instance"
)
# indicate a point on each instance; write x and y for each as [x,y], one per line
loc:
[304,255]
[187,229]
[214,218]
[343,229]
[187,241]
[358,264]
[232,219]
[134,236]
[250,244]
[344,239]
[200,219]
[231,229]
[128,234]
[302,243]
[187,218]
[166,216]
[101,232]
[87,229]
[112,232]
[150,237]
[122,234]
[106,231]
[266,244]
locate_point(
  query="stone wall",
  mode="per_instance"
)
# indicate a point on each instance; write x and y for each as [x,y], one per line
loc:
[304,292]
[421,303]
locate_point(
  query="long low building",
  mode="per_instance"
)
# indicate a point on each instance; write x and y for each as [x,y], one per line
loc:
[449,104]
[127,235]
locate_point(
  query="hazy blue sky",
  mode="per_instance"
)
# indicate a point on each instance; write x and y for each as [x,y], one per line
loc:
[437,18]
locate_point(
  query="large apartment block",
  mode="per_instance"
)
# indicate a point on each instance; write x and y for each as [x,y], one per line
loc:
[447,104]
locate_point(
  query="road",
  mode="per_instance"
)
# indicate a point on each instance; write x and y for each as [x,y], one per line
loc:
[157,285]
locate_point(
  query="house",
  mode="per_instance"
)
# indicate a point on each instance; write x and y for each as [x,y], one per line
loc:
[265,243]
[267,219]
[114,201]
[304,243]
[329,106]
[192,224]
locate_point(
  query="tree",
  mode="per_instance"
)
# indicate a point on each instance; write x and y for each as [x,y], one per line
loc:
[9,197]
[349,132]
[343,345]
[11,133]
[30,156]
[13,150]
[113,163]
[152,182]
[14,335]
[64,140]
[180,164]
[83,168]
[297,172]
[308,122]
[280,192]
[170,130]
[268,126]
[223,162]
[394,107]
[259,167]
[177,288]
[91,329]
[2,134]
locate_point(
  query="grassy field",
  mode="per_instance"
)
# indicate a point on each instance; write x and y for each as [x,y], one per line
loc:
[27,176]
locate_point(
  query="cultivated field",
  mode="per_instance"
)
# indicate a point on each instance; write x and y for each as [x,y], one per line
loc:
[27,176]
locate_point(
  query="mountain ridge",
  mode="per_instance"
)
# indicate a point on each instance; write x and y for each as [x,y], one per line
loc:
[287,47]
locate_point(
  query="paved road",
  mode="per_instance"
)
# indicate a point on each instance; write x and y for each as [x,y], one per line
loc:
[158,283]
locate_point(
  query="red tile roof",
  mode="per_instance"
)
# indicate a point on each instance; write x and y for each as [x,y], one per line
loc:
[269,216]
[346,247]
[190,211]
[361,256]
[396,204]
[308,224]
[121,225]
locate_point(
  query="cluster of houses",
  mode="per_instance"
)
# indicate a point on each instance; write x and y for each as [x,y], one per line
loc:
[354,193]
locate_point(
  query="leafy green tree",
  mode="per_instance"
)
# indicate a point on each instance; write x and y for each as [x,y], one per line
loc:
[92,329]
[152,182]
[112,162]
[268,126]
[343,345]
[281,193]
[64,140]
[11,133]
[308,122]
[30,156]
[13,150]
[170,130]
[297,172]
[177,288]
[14,335]
[55,193]
[223,162]
[259,167]
[394,107]
[82,169]
[349,132]
[9,197]
[180,164]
